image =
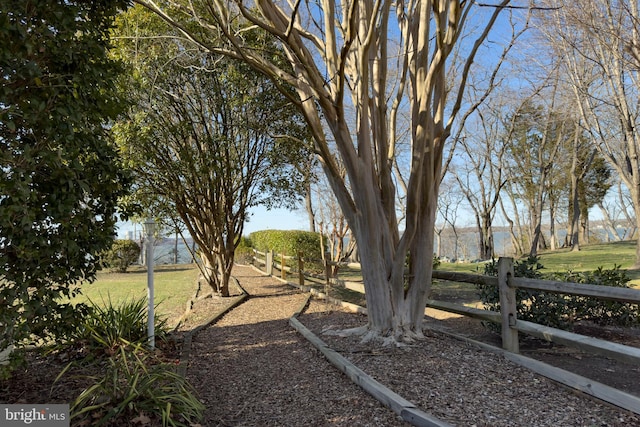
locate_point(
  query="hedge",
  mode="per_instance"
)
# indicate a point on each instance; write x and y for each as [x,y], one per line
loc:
[289,243]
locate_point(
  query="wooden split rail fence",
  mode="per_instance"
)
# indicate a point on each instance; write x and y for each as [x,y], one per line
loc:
[271,260]
[511,326]
[507,284]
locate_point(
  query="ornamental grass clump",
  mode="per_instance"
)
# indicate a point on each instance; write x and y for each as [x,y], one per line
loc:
[127,383]
[108,327]
[135,387]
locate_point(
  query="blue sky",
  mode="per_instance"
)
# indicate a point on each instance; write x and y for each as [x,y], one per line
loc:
[276,219]
[261,219]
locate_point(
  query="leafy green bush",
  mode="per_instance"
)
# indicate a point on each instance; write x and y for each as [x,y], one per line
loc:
[289,243]
[122,254]
[436,262]
[133,385]
[244,251]
[599,311]
[561,310]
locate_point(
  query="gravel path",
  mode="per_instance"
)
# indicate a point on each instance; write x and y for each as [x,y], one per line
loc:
[252,369]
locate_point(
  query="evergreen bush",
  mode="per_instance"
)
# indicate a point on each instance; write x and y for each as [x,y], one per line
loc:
[121,255]
[562,311]
[289,243]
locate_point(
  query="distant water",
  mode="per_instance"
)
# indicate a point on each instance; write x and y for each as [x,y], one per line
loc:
[164,252]
[465,247]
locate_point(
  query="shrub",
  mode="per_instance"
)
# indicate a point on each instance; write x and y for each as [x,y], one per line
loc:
[132,383]
[134,386]
[599,311]
[561,310]
[436,262]
[108,327]
[289,243]
[122,254]
[534,306]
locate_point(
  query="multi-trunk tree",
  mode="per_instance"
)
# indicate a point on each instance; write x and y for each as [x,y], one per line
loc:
[339,56]
[207,137]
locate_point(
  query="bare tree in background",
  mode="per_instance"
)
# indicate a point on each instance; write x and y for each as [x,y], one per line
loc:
[481,177]
[598,41]
[448,204]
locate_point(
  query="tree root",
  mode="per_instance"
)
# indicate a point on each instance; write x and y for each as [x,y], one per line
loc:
[400,338]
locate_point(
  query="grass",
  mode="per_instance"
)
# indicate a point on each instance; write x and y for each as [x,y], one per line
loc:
[173,286]
[589,258]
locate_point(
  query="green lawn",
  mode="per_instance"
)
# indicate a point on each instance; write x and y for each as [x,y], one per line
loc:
[173,286]
[589,258]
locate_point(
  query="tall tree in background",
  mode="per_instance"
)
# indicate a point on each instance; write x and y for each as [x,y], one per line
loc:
[598,42]
[59,174]
[448,204]
[207,136]
[339,54]
[537,133]
[481,177]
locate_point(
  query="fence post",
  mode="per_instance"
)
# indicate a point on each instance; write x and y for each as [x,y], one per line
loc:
[300,269]
[327,272]
[508,309]
[269,263]
[283,273]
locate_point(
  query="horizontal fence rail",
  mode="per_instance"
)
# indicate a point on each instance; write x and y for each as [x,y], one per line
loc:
[507,318]
[601,292]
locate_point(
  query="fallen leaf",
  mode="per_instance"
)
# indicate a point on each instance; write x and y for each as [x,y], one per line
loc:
[142,419]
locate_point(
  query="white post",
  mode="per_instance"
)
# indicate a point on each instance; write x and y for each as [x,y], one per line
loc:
[150,226]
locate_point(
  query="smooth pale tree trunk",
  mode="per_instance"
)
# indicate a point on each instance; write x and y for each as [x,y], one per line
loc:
[341,67]
[439,243]
[552,226]
[575,214]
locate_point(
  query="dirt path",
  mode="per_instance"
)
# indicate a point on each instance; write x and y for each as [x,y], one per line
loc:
[252,369]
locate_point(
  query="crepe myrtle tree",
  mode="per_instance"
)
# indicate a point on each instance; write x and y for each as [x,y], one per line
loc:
[60,178]
[372,59]
[207,136]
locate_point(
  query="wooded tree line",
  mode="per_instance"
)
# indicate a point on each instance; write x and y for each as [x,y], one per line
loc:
[568,134]
[552,138]
[231,104]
